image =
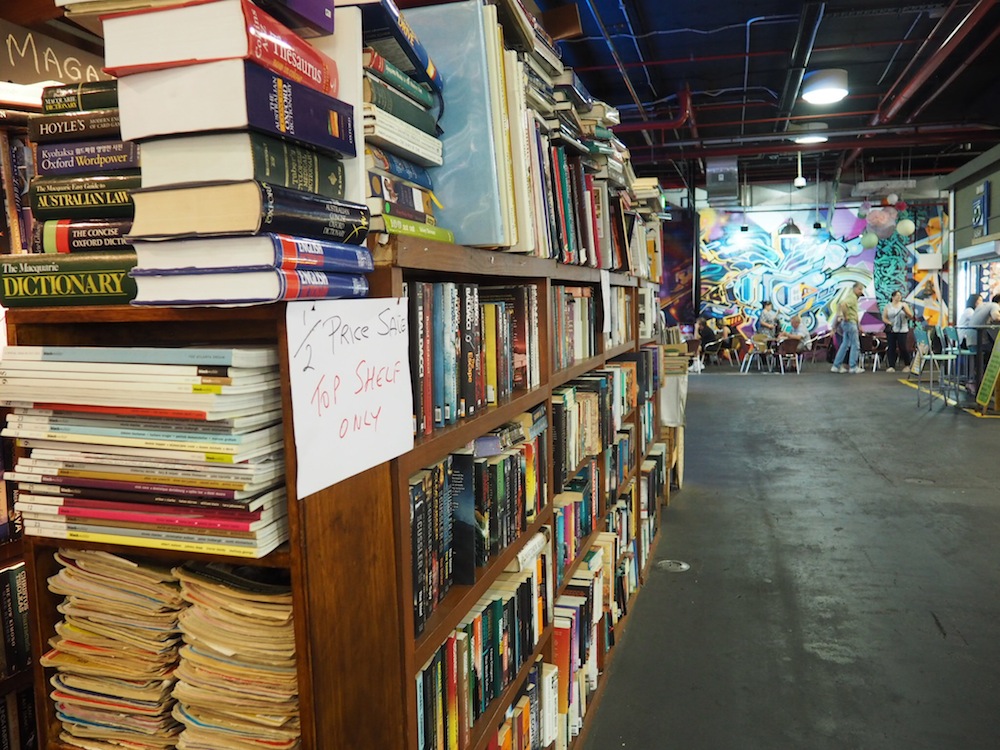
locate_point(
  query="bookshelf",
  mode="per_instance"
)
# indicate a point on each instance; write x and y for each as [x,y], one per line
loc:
[349,548]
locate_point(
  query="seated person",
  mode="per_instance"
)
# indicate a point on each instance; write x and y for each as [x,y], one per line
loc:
[705,332]
[988,313]
[768,321]
[797,331]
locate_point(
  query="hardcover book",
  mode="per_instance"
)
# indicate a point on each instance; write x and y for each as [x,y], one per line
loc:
[96,278]
[393,134]
[90,197]
[307,18]
[388,32]
[84,157]
[213,157]
[257,253]
[389,100]
[245,287]
[81,96]
[377,65]
[232,95]
[157,38]
[391,224]
[69,236]
[248,207]
[74,126]
[389,164]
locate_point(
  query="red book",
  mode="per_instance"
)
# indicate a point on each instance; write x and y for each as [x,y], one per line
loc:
[428,392]
[209,30]
[179,519]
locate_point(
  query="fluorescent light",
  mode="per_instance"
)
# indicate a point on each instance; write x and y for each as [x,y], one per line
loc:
[812,138]
[825,86]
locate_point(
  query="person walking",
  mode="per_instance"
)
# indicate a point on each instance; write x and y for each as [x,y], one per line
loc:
[897,315]
[850,345]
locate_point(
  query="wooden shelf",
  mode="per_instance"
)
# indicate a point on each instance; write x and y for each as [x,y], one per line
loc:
[628,346]
[566,374]
[444,440]
[11,551]
[279,558]
[460,599]
[18,681]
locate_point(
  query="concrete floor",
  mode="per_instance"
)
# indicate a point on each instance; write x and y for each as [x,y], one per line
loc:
[844,589]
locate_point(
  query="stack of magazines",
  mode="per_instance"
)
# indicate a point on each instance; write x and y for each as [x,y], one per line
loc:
[236,681]
[114,652]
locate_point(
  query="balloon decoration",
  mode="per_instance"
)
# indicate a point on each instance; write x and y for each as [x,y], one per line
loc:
[869,239]
[882,222]
[906,227]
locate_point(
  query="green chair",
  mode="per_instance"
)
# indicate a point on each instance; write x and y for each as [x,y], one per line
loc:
[934,363]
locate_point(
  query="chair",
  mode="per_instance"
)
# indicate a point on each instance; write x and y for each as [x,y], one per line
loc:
[871,347]
[788,354]
[737,342]
[710,354]
[759,351]
[931,363]
[952,345]
[818,348]
[694,354]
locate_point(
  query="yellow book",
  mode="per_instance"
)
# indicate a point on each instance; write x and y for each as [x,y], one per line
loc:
[168,544]
[490,348]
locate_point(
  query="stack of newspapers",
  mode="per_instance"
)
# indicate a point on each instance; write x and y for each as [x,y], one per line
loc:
[172,448]
[114,652]
[236,682]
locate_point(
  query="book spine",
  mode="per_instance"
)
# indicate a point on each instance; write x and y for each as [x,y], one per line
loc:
[428,353]
[74,126]
[399,194]
[81,96]
[439,339]
[451,344]
[7,611]
[314,284]
[467,358]
[293,212]
[307,18]
[176,545]
[274,46]
[405,227]
[387,130]
[397,79]
[386,99]
[69,236]
[279,106]
[389,33]
[398,167]
[416,303]
[129,492]
[300,252]
[91,197]
[97,278]
[290,165]
[166,521]
[85,157]
[22,628]
[383,208]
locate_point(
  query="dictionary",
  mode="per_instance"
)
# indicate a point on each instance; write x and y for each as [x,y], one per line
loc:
[93,278]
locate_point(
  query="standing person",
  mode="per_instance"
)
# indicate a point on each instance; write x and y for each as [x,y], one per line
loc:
[897,315]
[768,323]
[967,336]
[850,345]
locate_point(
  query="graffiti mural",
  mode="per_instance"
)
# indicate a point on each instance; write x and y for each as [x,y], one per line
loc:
[677,283]
[745,262]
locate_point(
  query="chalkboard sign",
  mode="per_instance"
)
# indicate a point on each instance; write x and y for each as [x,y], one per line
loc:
[29,57]
[989,382]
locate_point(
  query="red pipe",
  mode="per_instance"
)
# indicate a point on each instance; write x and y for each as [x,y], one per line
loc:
[928,69]
[685,114]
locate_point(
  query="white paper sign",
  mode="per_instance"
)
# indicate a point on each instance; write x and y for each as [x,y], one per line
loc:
[606,299]
[352,404]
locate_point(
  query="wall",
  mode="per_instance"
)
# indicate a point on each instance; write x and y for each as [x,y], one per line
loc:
[804,274]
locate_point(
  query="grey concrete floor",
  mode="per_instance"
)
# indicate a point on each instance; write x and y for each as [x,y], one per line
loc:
[844,589]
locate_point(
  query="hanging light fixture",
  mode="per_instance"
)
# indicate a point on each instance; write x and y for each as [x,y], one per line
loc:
[790,228]
[807,133]
[799,181]
[825,86]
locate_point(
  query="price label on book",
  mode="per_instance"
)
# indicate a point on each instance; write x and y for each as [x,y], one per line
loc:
[352,403]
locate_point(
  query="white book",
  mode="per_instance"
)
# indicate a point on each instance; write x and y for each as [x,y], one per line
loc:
[524,185]
[550,703]
[398,136]
[501,123]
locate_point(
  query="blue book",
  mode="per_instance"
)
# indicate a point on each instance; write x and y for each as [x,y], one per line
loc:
[468,183]
[397,166]
[387,32]
[464,530]
[256,253]
[438,328]
[451,352]
[248,356]
[86,157]
[245,287]
[233,95]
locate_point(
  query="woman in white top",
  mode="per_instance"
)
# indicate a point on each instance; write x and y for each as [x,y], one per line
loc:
[896,316]
[967,336]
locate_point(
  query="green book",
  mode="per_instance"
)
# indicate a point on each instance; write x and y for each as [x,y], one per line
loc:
[237,156]
[91,278]
[388,100]
[377,65]
[78,97]
[89,197]
[392,224]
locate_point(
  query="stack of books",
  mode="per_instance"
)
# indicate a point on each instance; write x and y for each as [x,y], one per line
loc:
[114,652]
[243,134]
[170,448]
[236,680]
[81,201]
[400,121]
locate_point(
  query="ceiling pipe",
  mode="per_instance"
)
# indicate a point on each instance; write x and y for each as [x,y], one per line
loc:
[925,129]
[933,63]
[927,100]
[888,141]
[655,124]
[805,38]
[675,123]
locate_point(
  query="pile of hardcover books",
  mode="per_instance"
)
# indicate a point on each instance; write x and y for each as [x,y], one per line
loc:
[115,651]
[176,449]
[81,202]
[236,680]
[241,135]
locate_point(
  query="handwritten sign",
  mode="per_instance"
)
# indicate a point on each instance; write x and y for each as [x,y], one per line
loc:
[990,375]
[28,57]
[352,403]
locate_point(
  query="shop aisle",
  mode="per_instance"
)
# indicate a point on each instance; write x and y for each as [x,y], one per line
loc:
[844,589]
